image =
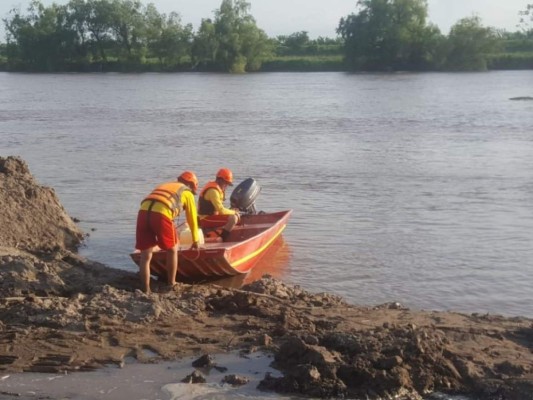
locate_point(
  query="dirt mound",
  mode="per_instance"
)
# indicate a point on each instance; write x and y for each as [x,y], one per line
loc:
[60,312]
[32,217]
[331,349]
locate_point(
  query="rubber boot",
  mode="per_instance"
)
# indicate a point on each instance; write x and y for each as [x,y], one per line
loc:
[224,235]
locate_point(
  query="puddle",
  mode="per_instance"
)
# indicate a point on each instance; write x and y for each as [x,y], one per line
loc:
[145,381]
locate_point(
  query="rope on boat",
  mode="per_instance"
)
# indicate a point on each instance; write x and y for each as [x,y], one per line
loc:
[193,258]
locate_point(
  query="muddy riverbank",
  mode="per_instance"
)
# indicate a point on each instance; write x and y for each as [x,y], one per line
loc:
[61,312]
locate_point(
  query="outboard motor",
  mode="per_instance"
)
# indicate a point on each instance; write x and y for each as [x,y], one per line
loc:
[244,195]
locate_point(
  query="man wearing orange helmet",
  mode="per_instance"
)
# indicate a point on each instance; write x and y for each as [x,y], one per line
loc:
[155,224]
[211,199]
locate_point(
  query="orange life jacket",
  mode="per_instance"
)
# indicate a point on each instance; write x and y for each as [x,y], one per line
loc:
[205,207]
[170,195]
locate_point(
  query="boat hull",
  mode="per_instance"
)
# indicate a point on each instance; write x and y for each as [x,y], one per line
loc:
[247,243]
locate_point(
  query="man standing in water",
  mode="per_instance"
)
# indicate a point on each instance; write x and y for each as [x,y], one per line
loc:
[155,224]
[210,202]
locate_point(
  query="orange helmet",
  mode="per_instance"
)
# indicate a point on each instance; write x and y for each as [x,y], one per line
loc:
[226,174]
[190,178]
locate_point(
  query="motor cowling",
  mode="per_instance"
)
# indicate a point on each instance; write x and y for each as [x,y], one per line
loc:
[244,196]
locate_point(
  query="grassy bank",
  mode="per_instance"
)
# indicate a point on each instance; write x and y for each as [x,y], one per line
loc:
[510,61]
[316,63]
[304,64]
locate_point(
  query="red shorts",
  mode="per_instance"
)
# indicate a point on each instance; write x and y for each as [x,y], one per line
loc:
[153,229]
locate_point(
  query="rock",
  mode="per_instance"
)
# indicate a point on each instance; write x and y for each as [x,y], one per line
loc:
[194,377]
[389,362]
[205,361]
[391,306]
[264,340]
[311,340]
[235,380]
[305,373]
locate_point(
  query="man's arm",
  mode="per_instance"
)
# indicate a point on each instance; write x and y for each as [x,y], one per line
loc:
[187,199]
[213,196]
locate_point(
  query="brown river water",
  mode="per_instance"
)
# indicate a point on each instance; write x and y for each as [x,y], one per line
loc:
[416,188]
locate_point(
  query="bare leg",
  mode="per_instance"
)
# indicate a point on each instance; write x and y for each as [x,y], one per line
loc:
[144,269]
[172,265]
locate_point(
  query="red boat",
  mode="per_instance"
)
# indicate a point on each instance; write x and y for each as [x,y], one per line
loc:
[247,243]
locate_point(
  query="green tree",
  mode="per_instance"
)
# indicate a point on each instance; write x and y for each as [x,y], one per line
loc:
[299,44]
[294,43]
[232,41]
[167,39]
[227,20]
[255,46]
[98,22]
[127,24]
[77,14]
[469,44]
[112,33]
[389,35]
[41,40]
[515,42]
[205,44]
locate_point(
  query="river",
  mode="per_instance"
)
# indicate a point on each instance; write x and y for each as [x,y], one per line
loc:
[416,188]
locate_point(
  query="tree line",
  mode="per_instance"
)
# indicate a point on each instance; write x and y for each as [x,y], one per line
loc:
[128,33]
[380,35]
[395,35]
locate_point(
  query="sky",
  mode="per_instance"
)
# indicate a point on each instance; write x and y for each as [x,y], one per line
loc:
[321,17]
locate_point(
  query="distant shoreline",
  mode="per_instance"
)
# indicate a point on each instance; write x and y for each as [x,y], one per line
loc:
[316,63]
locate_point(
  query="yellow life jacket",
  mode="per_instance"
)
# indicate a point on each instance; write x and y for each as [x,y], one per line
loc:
[169,194]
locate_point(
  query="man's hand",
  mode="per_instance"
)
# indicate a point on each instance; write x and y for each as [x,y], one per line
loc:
[194,246]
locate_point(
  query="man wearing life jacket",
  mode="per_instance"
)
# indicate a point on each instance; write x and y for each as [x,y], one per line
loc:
[210,202]
[155,224]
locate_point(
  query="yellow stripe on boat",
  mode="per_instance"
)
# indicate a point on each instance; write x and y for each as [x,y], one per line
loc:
[261,249]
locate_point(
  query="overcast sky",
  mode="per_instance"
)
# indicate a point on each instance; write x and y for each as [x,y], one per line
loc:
[321,17]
